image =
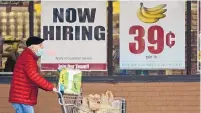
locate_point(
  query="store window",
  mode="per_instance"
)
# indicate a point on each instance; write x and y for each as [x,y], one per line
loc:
[14,30]
[12,40]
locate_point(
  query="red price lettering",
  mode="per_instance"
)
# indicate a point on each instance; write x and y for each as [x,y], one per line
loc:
[155,37]
[169,39]
[138,47]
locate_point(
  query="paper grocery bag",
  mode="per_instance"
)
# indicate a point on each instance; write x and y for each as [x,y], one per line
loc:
[70,81]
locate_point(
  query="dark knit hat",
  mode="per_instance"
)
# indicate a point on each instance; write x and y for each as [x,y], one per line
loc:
[33,40]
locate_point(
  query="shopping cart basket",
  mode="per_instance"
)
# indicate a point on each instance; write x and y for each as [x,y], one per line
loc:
[72,103]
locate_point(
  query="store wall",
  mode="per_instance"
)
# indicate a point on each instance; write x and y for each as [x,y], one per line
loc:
[157,97]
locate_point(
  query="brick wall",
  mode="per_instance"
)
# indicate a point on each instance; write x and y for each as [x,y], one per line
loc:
[165,97]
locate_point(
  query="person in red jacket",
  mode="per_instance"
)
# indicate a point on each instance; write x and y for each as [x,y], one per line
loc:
[26,78]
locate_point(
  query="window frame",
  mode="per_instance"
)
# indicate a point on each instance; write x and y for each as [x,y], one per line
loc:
[111,77]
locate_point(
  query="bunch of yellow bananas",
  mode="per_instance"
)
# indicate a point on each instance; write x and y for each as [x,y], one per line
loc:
[151,15]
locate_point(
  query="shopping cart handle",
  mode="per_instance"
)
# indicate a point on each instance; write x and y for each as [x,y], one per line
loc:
[59,93]
[60,100]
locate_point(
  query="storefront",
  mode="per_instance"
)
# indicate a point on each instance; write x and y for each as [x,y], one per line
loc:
[146,90]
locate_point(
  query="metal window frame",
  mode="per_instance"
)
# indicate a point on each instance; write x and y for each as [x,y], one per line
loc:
[188,36]
[113,79]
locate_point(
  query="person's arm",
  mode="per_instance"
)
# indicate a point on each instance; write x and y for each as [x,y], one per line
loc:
[31,69]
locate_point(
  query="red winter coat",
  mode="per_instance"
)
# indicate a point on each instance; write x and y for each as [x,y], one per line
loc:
[26,80]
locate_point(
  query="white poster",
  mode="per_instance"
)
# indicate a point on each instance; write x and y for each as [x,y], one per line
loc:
[199,37]
[152,35]
[75,35]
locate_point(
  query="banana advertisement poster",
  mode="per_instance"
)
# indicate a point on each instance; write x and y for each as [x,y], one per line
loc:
[152,35]
[70,81]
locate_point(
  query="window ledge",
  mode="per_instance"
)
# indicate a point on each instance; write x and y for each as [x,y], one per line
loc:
[118,79]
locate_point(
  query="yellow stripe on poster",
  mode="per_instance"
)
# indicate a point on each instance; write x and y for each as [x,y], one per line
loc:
[115,7]
[37,8]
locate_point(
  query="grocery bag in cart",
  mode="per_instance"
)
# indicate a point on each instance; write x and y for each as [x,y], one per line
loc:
[70,81]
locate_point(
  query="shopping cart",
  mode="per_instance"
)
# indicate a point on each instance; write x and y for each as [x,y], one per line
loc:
[72,103]
[76,103]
